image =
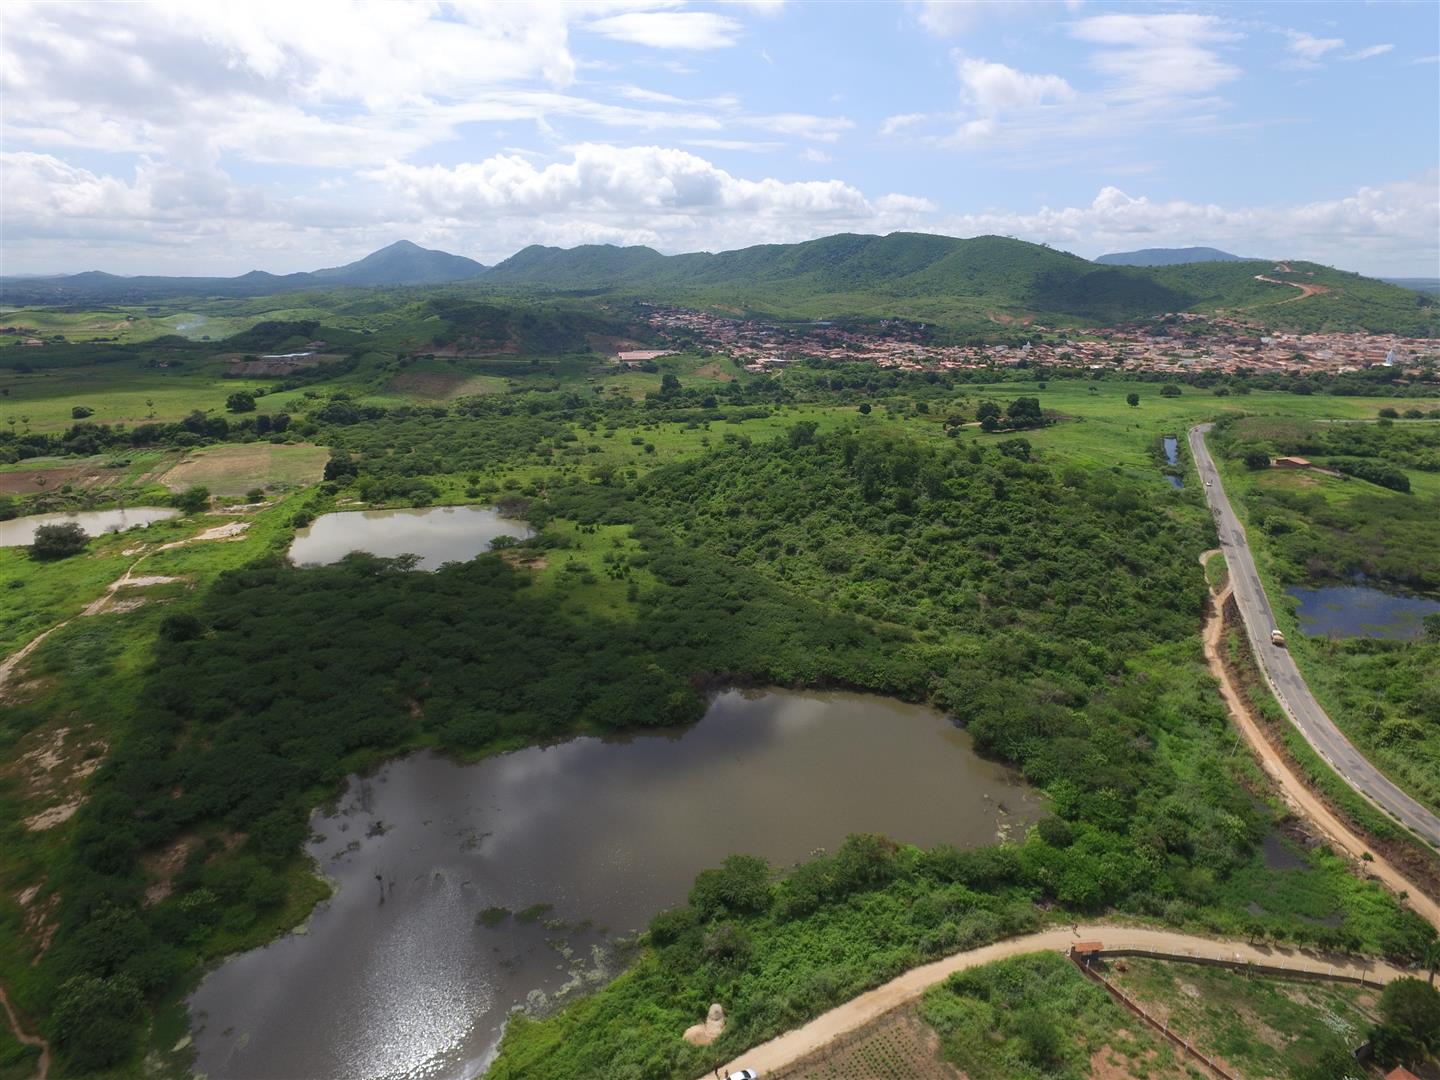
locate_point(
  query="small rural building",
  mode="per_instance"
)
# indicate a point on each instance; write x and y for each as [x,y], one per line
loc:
[1400,1073]
[1292,463]
[1086,949]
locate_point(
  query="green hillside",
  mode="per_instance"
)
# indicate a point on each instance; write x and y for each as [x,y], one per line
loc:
[969,285]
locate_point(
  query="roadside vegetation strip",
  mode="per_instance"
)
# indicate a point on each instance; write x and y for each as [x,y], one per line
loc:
[1293,789]
[870,1006]
[1279,668]
[1314,529]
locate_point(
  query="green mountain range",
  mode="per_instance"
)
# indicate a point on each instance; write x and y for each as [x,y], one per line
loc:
[976,287]
[968,286]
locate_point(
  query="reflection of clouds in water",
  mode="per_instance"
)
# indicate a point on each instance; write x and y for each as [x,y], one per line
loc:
[437,534]
[421,988]
[793,715]
[609,829]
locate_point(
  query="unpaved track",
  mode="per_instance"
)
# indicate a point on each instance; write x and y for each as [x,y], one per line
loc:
[903,989]
[42,1070]
[786,1049]
[1278,666]
[1305,290]
[1299,797]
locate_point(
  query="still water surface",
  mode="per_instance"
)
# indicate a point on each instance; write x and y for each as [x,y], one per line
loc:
[94,522]
[1360,611]
[397,976]
[438,534]
[1172,455]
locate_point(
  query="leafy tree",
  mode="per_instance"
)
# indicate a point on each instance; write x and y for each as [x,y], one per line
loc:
[1025,412]
[192,500]
[339,467]
[741,885]
[58,541]
[669,384]
[1334,1062]
[240,401]
[987,410]
[1132,399]
[1016,448]
[1432,626]
[803,433]
[93,1025]
[1409,1022]
[1255,458]
[1390,414]
[181,626]
[865,408]
[1169,390]
[80,412]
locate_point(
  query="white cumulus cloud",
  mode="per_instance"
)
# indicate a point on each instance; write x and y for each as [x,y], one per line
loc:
[670,29]
[993,88]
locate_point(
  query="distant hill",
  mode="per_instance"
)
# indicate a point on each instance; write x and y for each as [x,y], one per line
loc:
[968,287]
[1428,285]
[402,263]
[976,288]
[1168,257]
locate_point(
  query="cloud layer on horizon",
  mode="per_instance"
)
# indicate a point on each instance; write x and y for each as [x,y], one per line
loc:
[219,138]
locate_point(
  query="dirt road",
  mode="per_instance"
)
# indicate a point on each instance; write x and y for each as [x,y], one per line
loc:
[1305,290]
[1280,671]
[1299,797]
[42,1067]
[903,989]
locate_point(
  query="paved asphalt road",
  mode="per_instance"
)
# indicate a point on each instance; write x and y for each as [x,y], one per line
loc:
[1280,670]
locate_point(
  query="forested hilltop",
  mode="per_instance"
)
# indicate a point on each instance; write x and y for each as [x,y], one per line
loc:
[1003,546]
[969,284]
[965,286]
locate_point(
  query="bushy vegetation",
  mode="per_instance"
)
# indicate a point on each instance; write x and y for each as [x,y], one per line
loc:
[1051,605]
[1320,530]
[1033,1018]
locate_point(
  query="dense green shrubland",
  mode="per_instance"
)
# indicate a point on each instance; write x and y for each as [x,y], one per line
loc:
[1052,608]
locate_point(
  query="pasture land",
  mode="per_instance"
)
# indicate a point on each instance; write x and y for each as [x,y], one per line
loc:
[233,470]
[1259,1027]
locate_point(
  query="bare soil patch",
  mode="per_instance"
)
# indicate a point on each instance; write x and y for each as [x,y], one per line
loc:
[428,384]
[51,770]
[32,481]
[162,867]
[714,371]
[1107,1063]
[899,1045]
[234,470]
[441,385]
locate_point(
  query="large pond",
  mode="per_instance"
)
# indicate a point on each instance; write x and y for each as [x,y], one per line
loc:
[438,534]
[22,530]
[409,971]
[1361,611]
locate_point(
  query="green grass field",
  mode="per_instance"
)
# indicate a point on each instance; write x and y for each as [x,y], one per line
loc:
[1259,1027]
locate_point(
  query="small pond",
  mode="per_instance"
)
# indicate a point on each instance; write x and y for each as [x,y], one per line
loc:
[411,969]
[438,534]
[20,531]
[1361,611]
[1172,455]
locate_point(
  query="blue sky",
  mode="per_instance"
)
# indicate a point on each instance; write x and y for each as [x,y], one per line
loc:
[197,138]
